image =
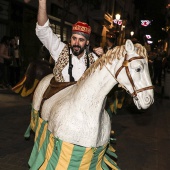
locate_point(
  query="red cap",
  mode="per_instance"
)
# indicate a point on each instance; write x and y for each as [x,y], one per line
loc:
[81,27]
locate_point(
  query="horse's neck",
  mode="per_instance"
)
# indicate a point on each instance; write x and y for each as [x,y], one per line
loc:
[96,86]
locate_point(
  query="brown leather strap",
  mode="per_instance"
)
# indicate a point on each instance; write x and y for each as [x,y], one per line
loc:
[118,71]
[55,87]
[125,65]
[142,89]
[135,58]
[131,80]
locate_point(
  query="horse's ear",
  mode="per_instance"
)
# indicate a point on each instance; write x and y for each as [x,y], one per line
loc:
[129,46]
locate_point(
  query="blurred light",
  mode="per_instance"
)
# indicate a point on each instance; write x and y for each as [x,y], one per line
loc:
[117,20]
[145,23]
[149,42]
[132,33]
[117,16]
[148,37]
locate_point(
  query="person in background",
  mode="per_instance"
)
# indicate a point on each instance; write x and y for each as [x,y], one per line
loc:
[44,53]
[18,59]
[157,65]
[110,41]
[164,63]
[70,60]
[4,54]
[15,61]
[116,96]
[150,63]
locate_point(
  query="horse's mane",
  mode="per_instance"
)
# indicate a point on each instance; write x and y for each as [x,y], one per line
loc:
[141,50]
[117,52]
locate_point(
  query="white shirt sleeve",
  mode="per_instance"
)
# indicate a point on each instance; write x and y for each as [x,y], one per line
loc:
[50,40]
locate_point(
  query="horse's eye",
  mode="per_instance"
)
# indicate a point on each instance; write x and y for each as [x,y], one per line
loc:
[138,69]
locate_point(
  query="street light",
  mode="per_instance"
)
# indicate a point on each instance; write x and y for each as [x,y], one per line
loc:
[118,22]
[131,33]
[117,16]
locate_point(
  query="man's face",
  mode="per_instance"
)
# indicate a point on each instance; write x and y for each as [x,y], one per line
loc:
[78,44]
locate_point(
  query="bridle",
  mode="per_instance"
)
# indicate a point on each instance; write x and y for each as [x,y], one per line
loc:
[125,65]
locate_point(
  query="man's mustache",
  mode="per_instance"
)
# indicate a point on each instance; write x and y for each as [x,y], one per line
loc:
[76,46]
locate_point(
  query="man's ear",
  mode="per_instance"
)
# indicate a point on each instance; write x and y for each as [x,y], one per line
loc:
[87,43]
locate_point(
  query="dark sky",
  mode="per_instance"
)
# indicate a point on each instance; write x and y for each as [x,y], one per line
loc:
[153,10]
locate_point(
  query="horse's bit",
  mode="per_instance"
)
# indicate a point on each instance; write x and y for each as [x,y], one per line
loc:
[125,65]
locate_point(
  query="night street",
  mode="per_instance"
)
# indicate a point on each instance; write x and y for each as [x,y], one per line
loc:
[143,137]
[97,45]
[15,116]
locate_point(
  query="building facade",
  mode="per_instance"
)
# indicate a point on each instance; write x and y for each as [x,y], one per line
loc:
[19,18]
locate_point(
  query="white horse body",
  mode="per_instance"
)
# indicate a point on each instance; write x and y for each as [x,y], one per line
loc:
[78,111]
[76,114]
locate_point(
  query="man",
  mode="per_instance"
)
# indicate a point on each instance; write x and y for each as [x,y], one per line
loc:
[4,59]
[116,95]
[71,62]
[157,66]
[110,42]
[15,61]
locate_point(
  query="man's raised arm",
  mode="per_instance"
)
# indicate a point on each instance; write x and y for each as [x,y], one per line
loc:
[42,12]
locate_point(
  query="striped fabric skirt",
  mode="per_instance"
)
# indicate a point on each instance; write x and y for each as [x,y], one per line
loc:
[51,153]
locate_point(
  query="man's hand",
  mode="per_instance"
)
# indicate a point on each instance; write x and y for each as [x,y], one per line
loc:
[99,51]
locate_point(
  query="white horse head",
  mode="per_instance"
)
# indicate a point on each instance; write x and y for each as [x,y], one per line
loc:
[76,114]
[135,70]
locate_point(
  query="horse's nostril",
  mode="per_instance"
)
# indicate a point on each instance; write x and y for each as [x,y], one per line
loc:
[147,100]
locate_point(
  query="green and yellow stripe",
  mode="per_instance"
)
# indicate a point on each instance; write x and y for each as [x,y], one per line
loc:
[51,153]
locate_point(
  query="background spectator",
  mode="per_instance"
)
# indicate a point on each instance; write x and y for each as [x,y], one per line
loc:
[4,62]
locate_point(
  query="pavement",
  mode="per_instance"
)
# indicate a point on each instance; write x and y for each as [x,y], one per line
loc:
[143,136]
[14,119]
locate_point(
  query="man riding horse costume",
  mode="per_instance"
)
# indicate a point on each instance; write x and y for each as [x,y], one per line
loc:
[72,128]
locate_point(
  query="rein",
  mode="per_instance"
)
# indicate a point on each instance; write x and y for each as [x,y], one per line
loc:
[125,65]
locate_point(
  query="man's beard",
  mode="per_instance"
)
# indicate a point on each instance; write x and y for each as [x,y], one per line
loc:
[77,52]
